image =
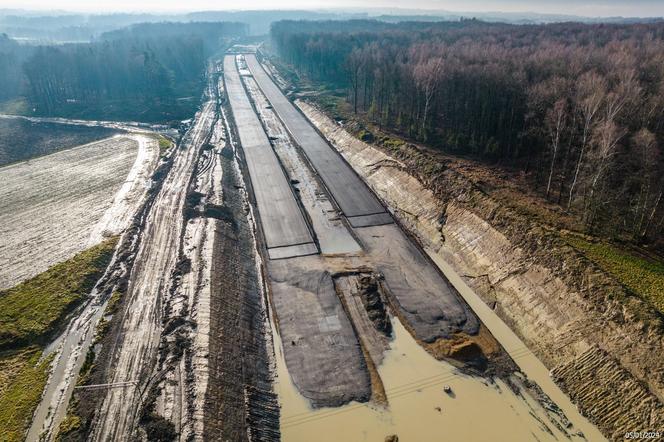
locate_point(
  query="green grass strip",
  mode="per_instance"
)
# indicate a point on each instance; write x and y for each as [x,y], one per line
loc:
[642,276]
[36,307]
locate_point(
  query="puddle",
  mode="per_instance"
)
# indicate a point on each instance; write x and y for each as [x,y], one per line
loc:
[74,344]
[523,357]
[418,408]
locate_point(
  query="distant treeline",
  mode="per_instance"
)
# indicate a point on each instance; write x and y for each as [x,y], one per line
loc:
[86,27]
[12,57]
[147,72]
[580,107]
[70,27]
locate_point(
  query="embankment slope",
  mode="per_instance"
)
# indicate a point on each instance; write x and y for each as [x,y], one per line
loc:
[602,344]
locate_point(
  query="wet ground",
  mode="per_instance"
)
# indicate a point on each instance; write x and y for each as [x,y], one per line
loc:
[418,408]
[354,324]
[133,357]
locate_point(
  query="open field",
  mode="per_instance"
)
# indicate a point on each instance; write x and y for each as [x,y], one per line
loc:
[63,203]
[21,139]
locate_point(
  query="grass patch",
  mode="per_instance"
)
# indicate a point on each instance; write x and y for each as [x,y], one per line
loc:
[70,424]
[643,276]
[332,105]
[73,427]
[17,106]
[29,313]
[164,145]
[22,379]
[33,309]
[113,303]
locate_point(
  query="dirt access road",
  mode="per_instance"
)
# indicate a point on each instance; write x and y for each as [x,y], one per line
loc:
[136,349]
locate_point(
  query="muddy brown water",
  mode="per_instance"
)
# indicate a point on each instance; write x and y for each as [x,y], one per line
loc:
[419,409]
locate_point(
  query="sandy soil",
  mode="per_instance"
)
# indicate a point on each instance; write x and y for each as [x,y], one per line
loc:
[60,204]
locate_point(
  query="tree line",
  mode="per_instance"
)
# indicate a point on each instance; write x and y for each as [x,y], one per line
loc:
[12,57]
[147,72]
[578,107]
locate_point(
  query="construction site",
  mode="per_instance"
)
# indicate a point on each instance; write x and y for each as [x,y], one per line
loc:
[275,278]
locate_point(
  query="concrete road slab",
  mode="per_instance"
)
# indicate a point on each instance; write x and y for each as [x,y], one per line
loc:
[292,251]
[351,194]
[281,218]
[332,233]
[376,219]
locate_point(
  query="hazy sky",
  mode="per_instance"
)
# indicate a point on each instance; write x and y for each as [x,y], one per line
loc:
[641,8]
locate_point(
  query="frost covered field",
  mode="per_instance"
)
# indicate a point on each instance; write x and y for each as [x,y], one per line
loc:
[60,204]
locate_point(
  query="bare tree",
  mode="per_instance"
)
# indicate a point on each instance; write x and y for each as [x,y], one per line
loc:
[354,65]
[427,75]
[626,93]
[647,201]
[591,91]
[555,120]
[607,137]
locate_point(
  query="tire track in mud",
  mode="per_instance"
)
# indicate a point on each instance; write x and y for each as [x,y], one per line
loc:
[134,354]
[77,340]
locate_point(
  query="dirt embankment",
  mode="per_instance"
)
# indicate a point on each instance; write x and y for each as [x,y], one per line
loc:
[240,403]
[602,344]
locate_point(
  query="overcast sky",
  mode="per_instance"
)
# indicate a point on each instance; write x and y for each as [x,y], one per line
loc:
[633,8]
